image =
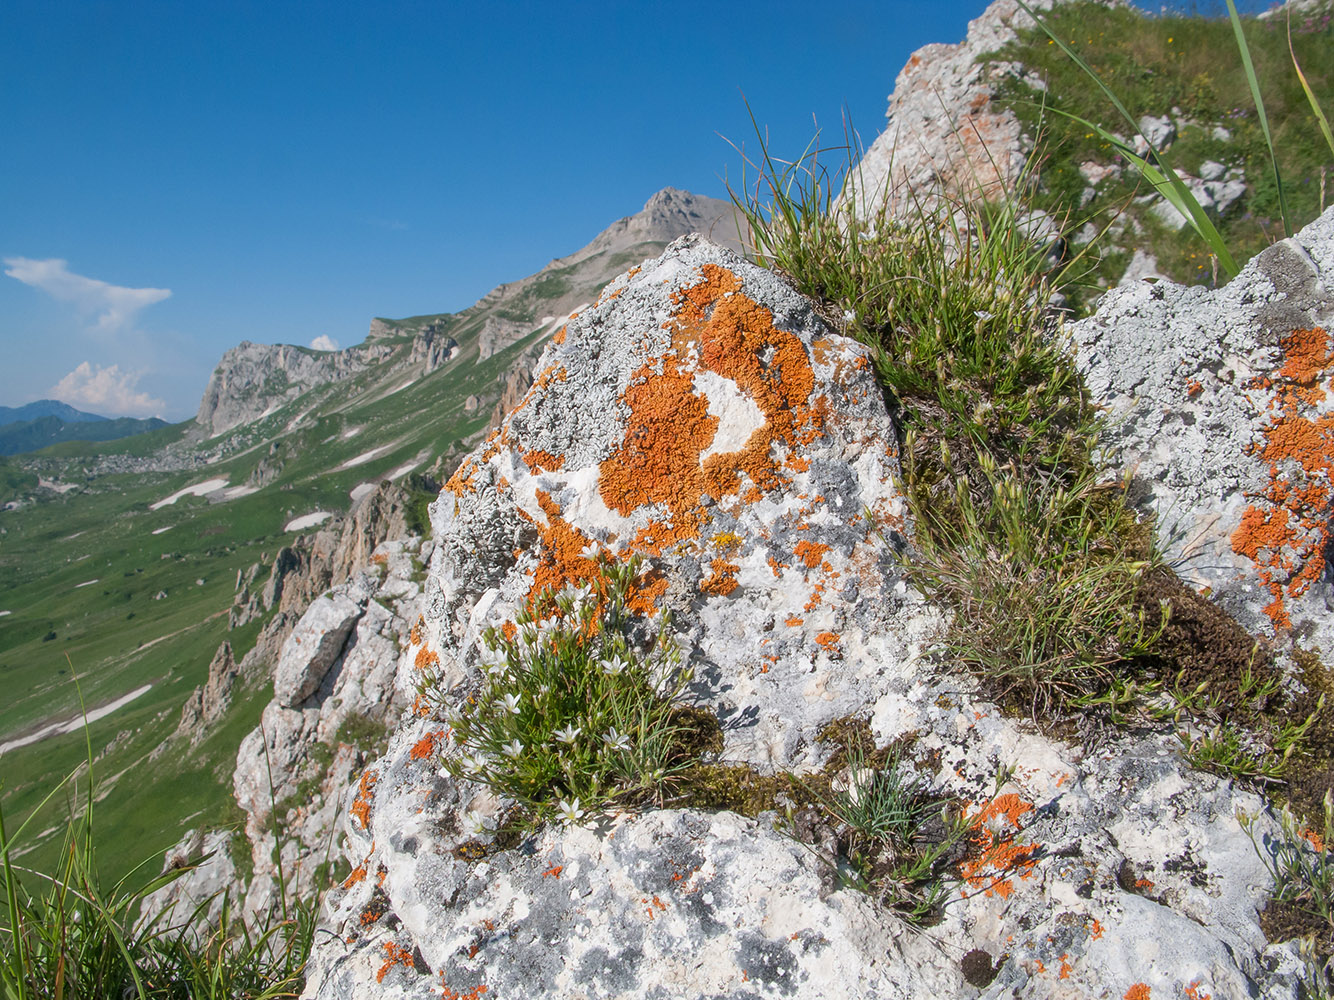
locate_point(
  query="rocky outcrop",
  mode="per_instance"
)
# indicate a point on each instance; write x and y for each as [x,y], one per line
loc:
[516,382]
[207,704]
[432,347]
[206,883]
[944,132]
[1220,402]
[703,417]
[334,689]
[312,648]
[311,565]
[497,334]
[254,379]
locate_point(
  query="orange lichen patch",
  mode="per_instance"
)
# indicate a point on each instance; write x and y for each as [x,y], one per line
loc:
[1095,929]
[1144,883]
[424,748]
[560,561]
[461,482]
[776,566]
[395,955]
[426,659]
[997,852]
[660,459]
[793,621]
[816,594]
[361,805]
[656,902]
[358,875]
[509,630]
[1314,839]
[1193,991]
[1286,534]
[1193,387]
[722,581]
[1066,967]
[420,709]
[471,994]
[558,337]
[828,641]
[553,872]
[417,631]
[543,461]
[1140,991]
[798,464]
[810,553]
[655,538]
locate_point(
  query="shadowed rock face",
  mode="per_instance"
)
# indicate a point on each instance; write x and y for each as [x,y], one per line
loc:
[1221,403]
[703,417]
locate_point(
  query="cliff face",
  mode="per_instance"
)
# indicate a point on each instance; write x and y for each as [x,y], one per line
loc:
[254,379]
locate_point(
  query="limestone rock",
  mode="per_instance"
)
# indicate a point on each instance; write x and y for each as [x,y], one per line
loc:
[208,878]
[312,648]
[431,347]
[1220,402]
[702,416]
[943,132]
[497,334]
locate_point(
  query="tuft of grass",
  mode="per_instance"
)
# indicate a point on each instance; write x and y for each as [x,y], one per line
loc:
[1016,526]
[885,831]
[1302,902]
[69,936]
[578,710]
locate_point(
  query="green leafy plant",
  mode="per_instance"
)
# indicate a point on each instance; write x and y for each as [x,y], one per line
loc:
[1156,166]
[577,710]
[1302,902]
[883,817]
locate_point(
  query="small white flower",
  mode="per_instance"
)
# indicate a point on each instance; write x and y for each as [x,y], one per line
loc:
[613,666]
[512,749]
[615,740]
[589,551]
[512,704]
[570,811]
[473,824]
[849,315]
[568,734]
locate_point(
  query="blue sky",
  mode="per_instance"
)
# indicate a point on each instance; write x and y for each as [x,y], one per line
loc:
[279,172]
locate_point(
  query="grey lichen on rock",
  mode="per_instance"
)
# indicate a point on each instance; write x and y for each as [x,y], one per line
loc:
[702,417]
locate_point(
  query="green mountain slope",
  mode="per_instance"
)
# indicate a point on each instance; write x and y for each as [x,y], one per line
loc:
[107,582]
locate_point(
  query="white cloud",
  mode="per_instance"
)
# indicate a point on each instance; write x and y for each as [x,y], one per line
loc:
[115,307]
[324,343]
[108,391]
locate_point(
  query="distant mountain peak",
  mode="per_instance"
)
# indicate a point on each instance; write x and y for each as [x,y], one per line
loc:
[46,408]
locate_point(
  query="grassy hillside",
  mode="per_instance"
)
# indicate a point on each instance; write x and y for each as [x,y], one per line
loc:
[81,575]
[1187,68]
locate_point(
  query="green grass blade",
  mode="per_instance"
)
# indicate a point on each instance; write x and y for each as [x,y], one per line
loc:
[1166,182]
[1310,95]
[1165,179]
[1245,51]
[18,989]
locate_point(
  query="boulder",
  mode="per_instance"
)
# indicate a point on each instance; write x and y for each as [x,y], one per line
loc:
[702,417]
[312,648]
[1220,401]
